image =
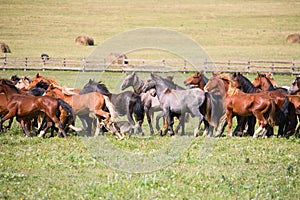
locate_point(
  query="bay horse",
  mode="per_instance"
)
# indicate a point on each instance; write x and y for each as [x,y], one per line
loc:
[177,102]
[247,104]
[125,103]
[151,103]
[26,107]
[284,111]
[264,83]
[84,104]
[198,79]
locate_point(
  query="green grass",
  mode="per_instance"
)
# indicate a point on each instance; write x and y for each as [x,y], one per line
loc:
[146,167]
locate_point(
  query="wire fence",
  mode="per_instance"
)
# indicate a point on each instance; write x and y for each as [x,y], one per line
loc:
[148,65]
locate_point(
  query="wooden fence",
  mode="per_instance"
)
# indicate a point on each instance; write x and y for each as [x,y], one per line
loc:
[144,65]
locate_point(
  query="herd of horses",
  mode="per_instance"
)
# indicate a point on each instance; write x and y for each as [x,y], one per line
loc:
[41,105]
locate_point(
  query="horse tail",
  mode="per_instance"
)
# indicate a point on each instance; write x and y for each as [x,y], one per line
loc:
[111,108]
[285,106]
[205,108]
[272,114]
[138,109]
[71,114]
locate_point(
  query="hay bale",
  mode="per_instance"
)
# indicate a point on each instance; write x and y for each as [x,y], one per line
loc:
[84,40]
[116,58]
[4,48]
[293,38]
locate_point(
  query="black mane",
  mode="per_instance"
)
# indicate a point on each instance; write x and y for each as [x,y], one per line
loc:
[246,85]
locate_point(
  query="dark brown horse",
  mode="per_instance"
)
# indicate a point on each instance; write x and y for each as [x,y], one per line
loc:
[245,104]
[26,107]
[197,79]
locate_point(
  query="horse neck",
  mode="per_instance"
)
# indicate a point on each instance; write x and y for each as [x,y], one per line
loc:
[247,86]
[266,85]
[137,84]
[161,89]
[9,92]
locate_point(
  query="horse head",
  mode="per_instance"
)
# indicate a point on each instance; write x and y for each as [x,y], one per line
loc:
[128,81]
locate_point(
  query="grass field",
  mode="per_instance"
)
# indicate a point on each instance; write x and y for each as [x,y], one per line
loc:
[148,167]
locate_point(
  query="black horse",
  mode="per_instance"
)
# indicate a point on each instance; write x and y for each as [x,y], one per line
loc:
[126,103]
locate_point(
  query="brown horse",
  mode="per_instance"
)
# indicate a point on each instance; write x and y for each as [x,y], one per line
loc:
[263,82]
[286,113]
[26,107]
[197,79]
[246,104]
[84,104]
[39,78]
[4,110]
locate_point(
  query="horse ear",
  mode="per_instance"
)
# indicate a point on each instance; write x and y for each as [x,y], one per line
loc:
[38,75]
[234,74]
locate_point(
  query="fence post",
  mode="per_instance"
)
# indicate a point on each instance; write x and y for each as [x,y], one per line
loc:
[84,63]
[44,63]
[248,66]
[293,66]
[228,65]
[164,62]
[272,67]
[26,63]
[64,62]
[184,66]
[4,62]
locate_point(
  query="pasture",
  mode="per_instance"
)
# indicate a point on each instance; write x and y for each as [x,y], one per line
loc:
[188,168]
[205,168]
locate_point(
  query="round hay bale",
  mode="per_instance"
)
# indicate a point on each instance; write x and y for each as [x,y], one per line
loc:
[116,58]
[4,48]
[84,40]
[293,38]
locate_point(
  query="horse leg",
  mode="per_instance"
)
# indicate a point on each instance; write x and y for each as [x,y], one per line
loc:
[170,121]
[24,127]
[160,115]
[229,122]
[262,123]
[149,119]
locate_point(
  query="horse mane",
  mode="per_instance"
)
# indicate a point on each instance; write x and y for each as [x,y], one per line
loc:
[246,85]
[10,83]
[225,76]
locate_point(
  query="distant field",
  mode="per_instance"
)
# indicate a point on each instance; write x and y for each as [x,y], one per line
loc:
[232,29]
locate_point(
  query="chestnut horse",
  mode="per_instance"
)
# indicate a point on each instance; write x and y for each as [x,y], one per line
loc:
[246,104]
[265,84]
[287,118]
[197,79]
[39,78]
[26,107]
[90,103]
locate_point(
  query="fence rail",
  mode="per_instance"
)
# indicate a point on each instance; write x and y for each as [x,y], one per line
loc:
[148,65]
